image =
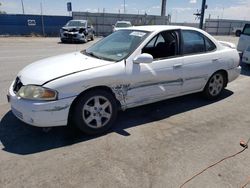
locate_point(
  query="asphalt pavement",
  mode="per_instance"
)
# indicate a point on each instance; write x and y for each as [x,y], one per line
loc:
[158,145]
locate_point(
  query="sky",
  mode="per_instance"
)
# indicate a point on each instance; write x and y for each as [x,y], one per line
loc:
[180,10]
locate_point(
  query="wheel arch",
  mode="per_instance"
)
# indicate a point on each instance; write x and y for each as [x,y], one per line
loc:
[106,88]
[225,74]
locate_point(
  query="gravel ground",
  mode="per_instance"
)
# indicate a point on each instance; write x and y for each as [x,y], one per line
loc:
[157,145]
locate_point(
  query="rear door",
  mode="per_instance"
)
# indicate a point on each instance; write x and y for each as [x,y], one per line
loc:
[244,40]
[200,57]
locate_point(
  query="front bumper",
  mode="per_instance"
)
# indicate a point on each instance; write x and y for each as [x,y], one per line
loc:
[72,36]
[40,113]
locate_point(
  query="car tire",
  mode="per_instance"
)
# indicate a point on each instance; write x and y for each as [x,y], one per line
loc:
[85,40]
[63,41]
[95,112]
[214,86]
[93,37]
[238,33]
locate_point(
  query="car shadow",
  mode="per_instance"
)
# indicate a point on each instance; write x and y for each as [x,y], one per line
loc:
[70,42]
[245,69]
[20,138]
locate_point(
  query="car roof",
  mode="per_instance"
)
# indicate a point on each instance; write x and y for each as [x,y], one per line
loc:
[151,28]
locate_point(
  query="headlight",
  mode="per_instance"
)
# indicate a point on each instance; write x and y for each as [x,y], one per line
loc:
[37,93]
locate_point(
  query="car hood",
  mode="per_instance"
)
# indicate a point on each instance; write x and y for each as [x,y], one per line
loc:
[69,28]
[52,68]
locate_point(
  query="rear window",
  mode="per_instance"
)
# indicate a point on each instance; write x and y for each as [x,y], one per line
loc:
[246,30]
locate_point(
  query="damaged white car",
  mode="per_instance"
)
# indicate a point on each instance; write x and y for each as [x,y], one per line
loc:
[129,68]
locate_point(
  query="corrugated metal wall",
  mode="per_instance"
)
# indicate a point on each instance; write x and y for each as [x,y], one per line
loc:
[103,22]
[18,24]
[222,26]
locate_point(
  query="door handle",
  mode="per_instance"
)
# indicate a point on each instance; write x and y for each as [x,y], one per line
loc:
[214,60]
[179,65]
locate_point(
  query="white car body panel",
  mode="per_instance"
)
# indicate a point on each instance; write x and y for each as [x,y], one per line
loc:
[246,56]
[244,40]
[58,66]
[132,84]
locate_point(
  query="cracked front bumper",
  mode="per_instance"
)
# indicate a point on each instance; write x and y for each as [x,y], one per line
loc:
[40,113]
[72,36]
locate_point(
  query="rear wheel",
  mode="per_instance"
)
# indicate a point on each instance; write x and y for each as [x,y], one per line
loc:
[95,112]
[238,33]
[215,85]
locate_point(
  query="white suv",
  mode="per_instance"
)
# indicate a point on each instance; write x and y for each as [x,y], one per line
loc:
[121,24]
[244,40]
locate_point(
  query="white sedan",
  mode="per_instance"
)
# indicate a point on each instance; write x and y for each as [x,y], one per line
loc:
[129,68]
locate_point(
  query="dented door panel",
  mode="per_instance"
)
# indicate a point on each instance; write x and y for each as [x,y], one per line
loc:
[159,79]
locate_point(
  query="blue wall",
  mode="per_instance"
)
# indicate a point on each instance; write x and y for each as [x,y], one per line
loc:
[17,24]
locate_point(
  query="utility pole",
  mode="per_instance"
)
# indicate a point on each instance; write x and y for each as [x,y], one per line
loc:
[163,7]
[203,7]
[42,19]
[124,6]
[22,6]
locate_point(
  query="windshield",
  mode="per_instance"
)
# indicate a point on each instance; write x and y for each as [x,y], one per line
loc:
[246,30]
[118,45]
[76,23]
[123,25]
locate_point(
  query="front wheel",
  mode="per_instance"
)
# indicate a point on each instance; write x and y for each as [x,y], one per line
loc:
[93,37]
[214,86]
[62,40]
[95,112]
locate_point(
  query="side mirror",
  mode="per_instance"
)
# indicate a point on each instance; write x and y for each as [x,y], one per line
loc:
[143,58]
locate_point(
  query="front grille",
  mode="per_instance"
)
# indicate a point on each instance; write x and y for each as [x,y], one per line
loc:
[17,85]
[69,35]
[72,30]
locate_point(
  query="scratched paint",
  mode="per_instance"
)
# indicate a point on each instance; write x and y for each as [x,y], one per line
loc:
[57,108]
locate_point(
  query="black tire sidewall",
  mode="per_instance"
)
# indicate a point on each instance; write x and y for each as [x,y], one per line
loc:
[238,33]
[77,115]
[92,37]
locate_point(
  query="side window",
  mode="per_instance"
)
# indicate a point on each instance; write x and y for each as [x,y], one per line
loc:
[163,45]
[246,30]
[151,44]
[210,46]
[193,42]
[160,39]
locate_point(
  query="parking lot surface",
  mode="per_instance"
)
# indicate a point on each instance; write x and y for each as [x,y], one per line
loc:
[157,145]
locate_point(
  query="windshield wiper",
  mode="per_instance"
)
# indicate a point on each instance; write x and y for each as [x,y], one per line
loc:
[96,56]
[92,54]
